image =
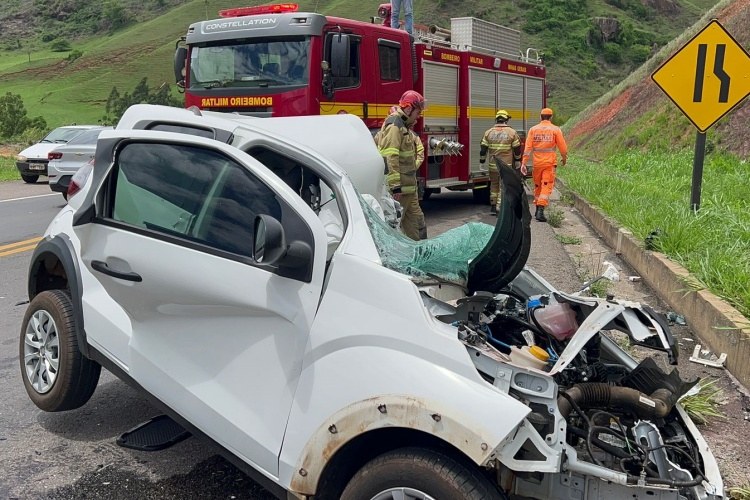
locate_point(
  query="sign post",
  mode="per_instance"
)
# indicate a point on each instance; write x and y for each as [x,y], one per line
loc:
[695,191]
[706,78]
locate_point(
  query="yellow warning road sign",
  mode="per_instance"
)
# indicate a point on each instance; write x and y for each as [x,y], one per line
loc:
[707,77]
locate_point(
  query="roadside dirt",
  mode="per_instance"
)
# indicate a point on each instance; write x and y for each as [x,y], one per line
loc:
[727,437]
[9,150]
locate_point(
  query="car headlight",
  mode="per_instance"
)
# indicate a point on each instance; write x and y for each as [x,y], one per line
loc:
[21,158]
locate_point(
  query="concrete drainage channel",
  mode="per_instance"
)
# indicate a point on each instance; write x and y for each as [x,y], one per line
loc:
[720,326]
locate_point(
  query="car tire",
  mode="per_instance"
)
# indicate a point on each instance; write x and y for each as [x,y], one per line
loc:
[419,473]
[29,179]
[55,373]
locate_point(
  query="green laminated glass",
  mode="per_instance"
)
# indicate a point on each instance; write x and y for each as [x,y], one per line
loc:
[445,257]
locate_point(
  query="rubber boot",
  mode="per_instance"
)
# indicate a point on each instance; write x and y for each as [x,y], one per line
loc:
[493,209]
[540,214]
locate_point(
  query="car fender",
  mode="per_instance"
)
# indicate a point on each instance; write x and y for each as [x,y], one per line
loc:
[477,439]
[60,247]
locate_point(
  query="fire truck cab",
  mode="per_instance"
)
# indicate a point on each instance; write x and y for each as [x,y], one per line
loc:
[274,61]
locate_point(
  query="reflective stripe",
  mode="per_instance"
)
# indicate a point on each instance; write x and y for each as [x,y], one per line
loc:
[543,150]
[388,151]
[408,189]
[406,154]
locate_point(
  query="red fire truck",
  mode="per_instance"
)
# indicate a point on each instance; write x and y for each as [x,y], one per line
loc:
[271,60]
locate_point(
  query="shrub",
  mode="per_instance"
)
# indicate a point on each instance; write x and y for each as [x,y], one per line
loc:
[612,53]
[60,45]
[74,55]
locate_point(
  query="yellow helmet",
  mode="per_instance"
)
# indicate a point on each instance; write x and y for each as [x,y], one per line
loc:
[502,115]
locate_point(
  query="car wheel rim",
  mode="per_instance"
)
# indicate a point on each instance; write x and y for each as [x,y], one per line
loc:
[41,351]
[402,494]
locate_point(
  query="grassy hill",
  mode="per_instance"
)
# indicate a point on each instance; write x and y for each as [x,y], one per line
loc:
[582,63]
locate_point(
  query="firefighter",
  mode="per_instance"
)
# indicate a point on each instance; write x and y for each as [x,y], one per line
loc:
[398,147]
[540,145]
[504,145]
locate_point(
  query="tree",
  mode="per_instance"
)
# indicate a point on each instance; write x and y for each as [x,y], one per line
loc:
[13,118]
[117,104]
[115,16]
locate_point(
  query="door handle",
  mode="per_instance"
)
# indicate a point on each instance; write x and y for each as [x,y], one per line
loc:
[102,267]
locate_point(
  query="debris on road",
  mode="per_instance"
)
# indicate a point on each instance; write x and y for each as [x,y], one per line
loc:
[706,357]
[673,317]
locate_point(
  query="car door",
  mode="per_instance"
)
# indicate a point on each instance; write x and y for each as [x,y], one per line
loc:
[174,295]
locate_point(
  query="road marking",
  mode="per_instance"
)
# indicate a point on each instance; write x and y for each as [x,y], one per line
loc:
[19,246]
[30,197]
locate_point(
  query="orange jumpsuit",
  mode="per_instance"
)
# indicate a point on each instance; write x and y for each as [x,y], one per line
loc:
[540,145]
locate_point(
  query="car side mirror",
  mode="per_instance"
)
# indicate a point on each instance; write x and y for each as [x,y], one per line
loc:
[294,260]
[269,244]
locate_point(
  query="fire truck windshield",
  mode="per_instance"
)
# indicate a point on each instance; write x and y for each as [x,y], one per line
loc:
[251,63]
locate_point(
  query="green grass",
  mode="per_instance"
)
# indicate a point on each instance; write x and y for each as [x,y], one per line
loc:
[740,492]
[568,240]
[644,192]
[555,217]
[705,404]
[599,288]
[8,170]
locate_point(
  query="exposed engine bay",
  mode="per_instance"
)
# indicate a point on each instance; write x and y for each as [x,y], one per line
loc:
[596,413]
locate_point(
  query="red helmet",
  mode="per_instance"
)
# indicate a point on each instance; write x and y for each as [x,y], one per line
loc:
[412,98]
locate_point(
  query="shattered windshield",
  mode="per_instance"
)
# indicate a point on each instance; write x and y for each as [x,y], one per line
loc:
[445,257]
[254,63]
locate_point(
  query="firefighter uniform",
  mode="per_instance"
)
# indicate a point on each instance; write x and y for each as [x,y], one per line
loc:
[540,147]
[502,143]
[399,146]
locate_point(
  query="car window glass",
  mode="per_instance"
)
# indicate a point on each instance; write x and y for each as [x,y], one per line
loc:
[192,193]
[389,54]
[87,137]
[62,134]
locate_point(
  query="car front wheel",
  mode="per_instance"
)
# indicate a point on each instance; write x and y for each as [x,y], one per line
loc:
[55,373]
[419,474]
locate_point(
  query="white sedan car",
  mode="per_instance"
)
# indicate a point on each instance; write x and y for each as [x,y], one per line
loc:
[242,274]
[32,161]
[65,160]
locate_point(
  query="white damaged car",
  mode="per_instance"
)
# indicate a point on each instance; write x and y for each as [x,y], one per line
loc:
[244,274]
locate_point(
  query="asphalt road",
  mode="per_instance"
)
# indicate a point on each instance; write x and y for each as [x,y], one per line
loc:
[73,454]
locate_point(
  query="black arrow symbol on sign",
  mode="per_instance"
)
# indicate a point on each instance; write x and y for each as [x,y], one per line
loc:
[700,69]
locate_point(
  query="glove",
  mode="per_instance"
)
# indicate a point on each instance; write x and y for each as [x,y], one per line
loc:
[523,169]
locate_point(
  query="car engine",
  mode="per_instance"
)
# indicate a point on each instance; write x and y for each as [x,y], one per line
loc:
[596,413]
